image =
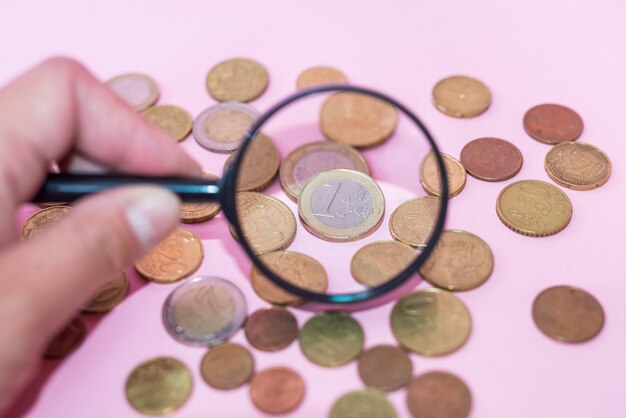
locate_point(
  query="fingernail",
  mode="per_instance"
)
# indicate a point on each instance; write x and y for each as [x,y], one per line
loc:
[153,215]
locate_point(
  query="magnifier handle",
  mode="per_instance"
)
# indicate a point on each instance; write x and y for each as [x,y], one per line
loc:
[69,187]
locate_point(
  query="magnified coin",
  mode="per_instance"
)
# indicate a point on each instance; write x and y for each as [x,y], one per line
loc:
[413,221]
[68,340]
[439,394]
[204,311]
[578,166]
[367,403]
[380,261]
[271,329]
[138,90]
[259,166]
[110,295]
[199,211]
[222,128]
[277,390]
[317,76]
[491,159]
[227,366]
[553,124]
[176,122]
[238,79]
[385,367]
[43,219]
[431,180]
[461,96]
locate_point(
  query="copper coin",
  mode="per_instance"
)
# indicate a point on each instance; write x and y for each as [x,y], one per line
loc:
[176,257]
[173,120]
[68,340]
[380,261]
[227,366]
[491,159]
[568,314]
[43,219]
[578,166]
[317,76]
[461,96]
[385,367]
[110,295]
[357,119]
[259,166]
[238,79]
[277,390]
[138,90]
[222,128]
[199,211]
[413,221]
[553,123]
[431,179]
[439,394]
[271,329]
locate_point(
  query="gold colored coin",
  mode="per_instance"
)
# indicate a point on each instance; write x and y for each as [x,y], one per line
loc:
[380,261]
[431,322]
[459,261]
[317,76]
[431,180]
[534,208]
[198,211]
[259,166]
[227,366]
[159,386]
[110,295]
[43,219]
[413,221]
[578,166]
[238,79]
[331,338]
[461,96]
[176,122]
[366,403]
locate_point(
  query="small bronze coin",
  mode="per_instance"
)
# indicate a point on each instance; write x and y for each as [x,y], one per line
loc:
[568,314]
[553,124]
[238,79]
[138,90]
[366,403]
[578,166]
[227,366]
[176,122]
[198,211]
[317,76]
[159,386]
[277,390]
[43,219]
[259,166]
[385,367]
[413,221]
[271,329]
[380,261]
[110,295]
[461,96]
[357,119]
[68,340]
[491,159]
[431,179]
[439,394]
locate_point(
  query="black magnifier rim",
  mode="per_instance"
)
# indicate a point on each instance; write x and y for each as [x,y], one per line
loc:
[228,201]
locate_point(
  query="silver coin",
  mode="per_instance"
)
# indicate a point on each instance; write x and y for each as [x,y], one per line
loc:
[138,90]
[223,127]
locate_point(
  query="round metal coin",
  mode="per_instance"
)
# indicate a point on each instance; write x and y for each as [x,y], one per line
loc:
[491,159]
[227,366]
[438,394]
[238,79]
[259,166]
[222,128]
[380,261]
[367,403]
[138,90]
[461,96]
[176,122]
[578,166]
[271,329]
[277,390]
[317,76]
[553,124]
[413,221]
[385,367]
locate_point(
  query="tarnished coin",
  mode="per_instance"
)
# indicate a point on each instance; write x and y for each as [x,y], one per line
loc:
[159,386]
[534,208]
[461,96]
[385,367]
[310,159]
[238,79]
[459,261]
[413,221]
[491,159]
[296,268]
[367,403]
[43,219]
[199,211]
[138,90]
[259,166]
[176,257]
[204,311]
[357,119]
[317,76]
[277,390]
[578,166]
[331,338]
[341,205]
[271,329]
[553,124]
[68,340]
[227,366]
[431,322]
[380,261]
[222,128]
[438,394]
[431,179]
[176,122]
[110,295]
[568,314]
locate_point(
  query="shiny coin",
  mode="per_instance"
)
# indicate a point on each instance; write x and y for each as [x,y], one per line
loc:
[357,119]
[331,339]
[110,295]
[431,322]
[439,395]
[461,96]
[138,90]
[385,367]
[68,340]
[238,79]
[459,261]
[310,159]
[259,166]
[43,219]
[159,386]
[271,329]
[317,76]
[578,166]
[227,366]
[204,311]
[413,221]
[176,257]
[198,211]
[491,159]
[176,122]
[341,205]
[568,314]
[534,208]
[431,180]
[367,403]
[553,124]
[222,128]
[277,390]
[380,261]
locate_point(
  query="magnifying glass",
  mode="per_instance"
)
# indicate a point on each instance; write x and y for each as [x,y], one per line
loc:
[335,198]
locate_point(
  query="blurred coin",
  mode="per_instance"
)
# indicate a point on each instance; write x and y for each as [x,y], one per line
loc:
[238,79]
[461,96]
[259,166]
[271,329]
[223,127]
[68,340]
[138,90]
[413,221]
[491,159]
[431,179]
[385,367]
[366,403]
[439,395]
[43,219]
[317,76]
[553,123]
[578,166]
[198,211]
[176,122]
[227,366]
[277,390]
[380,261]
[110,295]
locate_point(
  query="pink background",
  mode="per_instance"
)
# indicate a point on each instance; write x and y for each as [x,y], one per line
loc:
[528,53]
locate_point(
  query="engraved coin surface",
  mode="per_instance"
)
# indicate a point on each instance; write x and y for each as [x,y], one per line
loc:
[222,128]
[461,96]
[439,394]
[43,219]
[138,90]
[380,261]
[385,367]
[553,124]
[176,122]
[413,221]
[431,179]
[534,208]
[110,295]
[277,390]
[238,79]
[227,366]
[68,340]
[271,329]
[259,166]
[317,76]
[578,166]
[367,403]
[491,159]
[199,211]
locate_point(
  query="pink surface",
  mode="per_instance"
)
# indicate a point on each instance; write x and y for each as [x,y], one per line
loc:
[528,53]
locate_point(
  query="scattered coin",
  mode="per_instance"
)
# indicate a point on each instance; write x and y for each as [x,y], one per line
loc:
[366,403]
[317,76]
[461,96]
[385,367]
[138,90]
[43,219]
[68,340]
[341,205]
[431,322]
[491,159]
[271,329]
[277,390]
[223,127]
[227,366]
[259,166]
[110,295]
[199,211]
[357,119]
[578,166]
[159,386]
[380,261]
[439,394]
[413,221]
[176,257]
[238,79]
[553,124]
[568,314]
[534,208]
[431,179]
[176,122]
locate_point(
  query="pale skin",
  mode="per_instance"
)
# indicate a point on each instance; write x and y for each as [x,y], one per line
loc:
[59,112]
